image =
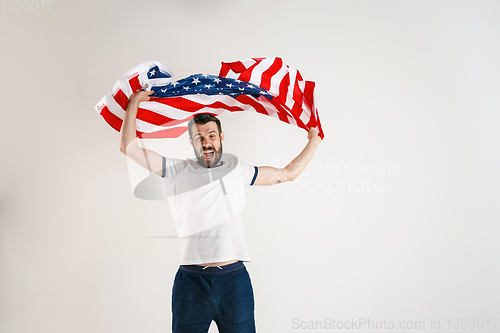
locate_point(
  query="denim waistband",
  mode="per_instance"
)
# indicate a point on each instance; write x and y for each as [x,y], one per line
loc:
[212,270]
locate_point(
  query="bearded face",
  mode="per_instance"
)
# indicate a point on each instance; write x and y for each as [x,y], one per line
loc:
[207,144]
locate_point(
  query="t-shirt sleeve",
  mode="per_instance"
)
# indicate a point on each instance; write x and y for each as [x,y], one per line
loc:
[172,166]
[249,173]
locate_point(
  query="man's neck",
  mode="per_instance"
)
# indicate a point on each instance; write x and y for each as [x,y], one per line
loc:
[209,167]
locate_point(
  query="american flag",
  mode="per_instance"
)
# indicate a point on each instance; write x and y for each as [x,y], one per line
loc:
[262,85]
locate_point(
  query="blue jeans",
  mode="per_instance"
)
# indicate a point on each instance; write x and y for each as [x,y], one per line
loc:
[226,298]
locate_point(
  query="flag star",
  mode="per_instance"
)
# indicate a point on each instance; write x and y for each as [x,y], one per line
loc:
[187,88]
[239,81]
[230,85]
[241,88]
[217,80]
[153,71]
[175,83]
[208,86]
[196,81]
[250,86]
[163,90]
[221,93]
[204,75]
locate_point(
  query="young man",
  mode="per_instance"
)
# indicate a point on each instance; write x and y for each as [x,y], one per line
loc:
[212,282]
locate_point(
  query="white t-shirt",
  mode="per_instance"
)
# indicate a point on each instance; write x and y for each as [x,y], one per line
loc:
[207,204]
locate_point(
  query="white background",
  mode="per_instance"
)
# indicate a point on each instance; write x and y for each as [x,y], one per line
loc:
[408,97]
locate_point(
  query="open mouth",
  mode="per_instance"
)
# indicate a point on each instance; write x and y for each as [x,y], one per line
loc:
[208,154]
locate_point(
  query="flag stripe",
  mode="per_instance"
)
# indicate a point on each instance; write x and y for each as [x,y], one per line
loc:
[121,99]
[169,133]
[247,74]
[111,119]
[135,84]
[268,74]
[250,101]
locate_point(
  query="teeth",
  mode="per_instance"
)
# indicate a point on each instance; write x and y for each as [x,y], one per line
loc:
[208,154]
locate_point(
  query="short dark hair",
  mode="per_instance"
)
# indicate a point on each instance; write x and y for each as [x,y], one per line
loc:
[202,119]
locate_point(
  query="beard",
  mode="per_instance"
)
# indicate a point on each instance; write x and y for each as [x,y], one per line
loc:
[209,157]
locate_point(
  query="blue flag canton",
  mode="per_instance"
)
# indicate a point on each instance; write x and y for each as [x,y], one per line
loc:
[210,85]
[156,73]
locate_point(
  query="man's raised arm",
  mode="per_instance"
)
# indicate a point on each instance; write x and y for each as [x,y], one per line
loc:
[270,175]
[128,140]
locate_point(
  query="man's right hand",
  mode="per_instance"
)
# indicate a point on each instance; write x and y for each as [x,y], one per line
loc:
[140,96]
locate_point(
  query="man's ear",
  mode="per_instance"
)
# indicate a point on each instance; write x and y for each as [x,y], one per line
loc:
[191,141]
[221,136]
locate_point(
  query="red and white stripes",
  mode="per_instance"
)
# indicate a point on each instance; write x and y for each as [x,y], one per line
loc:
[293,97]
[167,117]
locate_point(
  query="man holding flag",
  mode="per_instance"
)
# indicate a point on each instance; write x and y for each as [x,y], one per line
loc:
[207,194]
[212,282]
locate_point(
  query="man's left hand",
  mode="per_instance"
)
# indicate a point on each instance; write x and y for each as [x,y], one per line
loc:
[312,135]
